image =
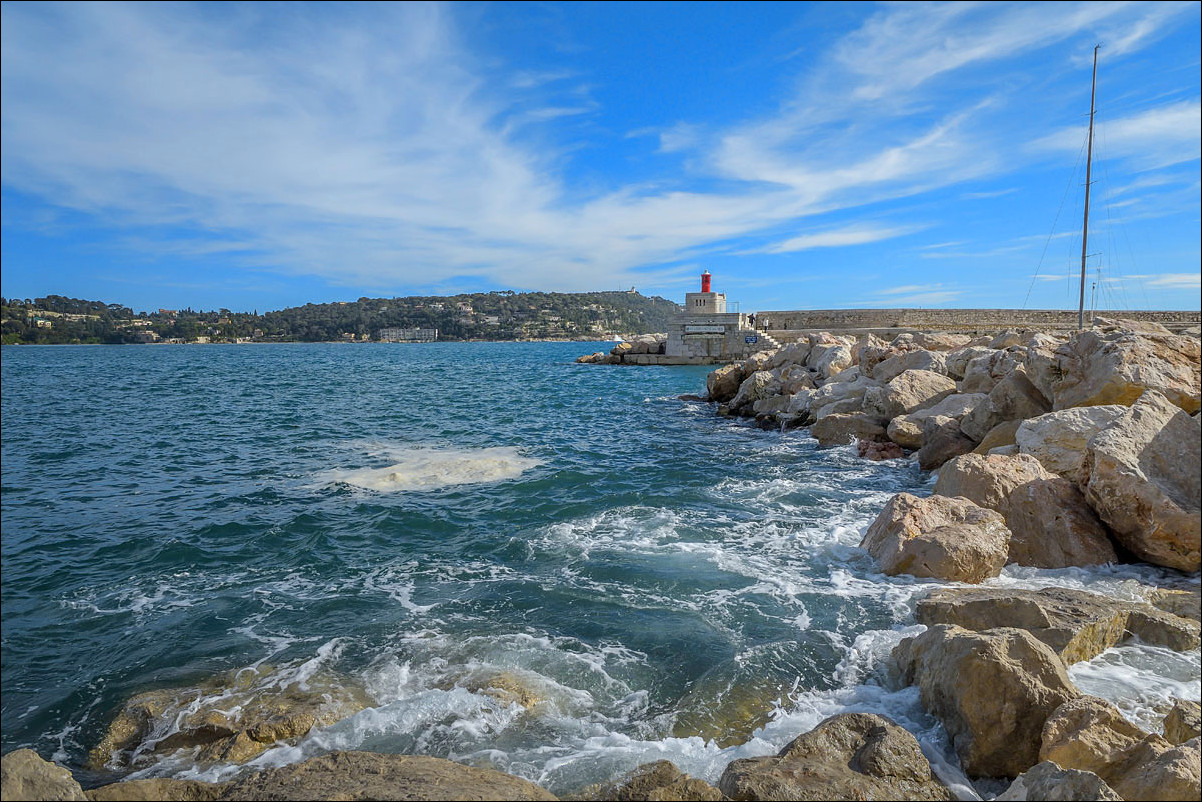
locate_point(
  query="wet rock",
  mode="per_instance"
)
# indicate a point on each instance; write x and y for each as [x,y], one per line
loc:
[1058,439]
[938,537]
[1076,624]
[660,781]
[1184,722]
[24,775]
[1116,367]
[1185,603]
[992,690]
[842,428]
[1141,474]
[849,756]
[1091,734]
[761,384]
[366,775]
[942,440]
[906,430]
[229,719]
[910,391]
[722,384]
[1050,522]
[877,450]
[1047,782]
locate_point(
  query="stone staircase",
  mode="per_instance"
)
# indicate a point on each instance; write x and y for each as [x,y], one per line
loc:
[766,341]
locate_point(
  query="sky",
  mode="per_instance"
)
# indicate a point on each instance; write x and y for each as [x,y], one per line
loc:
[809,155]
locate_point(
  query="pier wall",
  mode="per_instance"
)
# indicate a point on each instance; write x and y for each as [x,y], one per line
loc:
[962,320]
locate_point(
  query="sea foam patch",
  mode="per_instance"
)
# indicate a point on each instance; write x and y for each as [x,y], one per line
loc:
[422,469]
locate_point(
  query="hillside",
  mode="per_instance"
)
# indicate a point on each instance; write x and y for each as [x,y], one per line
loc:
[502,315]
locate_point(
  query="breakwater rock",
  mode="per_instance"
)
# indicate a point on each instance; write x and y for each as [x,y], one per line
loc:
[628,353]
[1087,444]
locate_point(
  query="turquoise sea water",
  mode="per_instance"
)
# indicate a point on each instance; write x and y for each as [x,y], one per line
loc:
[401,518]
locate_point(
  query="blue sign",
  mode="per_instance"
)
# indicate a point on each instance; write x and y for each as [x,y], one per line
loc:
[751,339]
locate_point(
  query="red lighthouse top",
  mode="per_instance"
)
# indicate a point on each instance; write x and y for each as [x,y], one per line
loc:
[705,281]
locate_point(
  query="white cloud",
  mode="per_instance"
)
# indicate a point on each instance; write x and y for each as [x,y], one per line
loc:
[1154,138]
[851,235]
[1176,281]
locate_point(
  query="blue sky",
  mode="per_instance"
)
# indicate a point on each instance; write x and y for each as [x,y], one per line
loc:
[810,155]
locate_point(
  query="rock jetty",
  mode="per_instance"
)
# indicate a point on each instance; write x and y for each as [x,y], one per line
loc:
[1086,444]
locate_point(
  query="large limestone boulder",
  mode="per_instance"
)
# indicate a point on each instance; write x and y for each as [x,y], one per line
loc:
[843,428]
[920,359]
[1047,782]
[848,756]
[1141,474]
[1184,722]
[833,392]
[1057,439]
[941,441]
[367,775]
[909,391]
[159,789]
[1051,524]
[723,383]
[999,437]
[829,360]
[938,537]
[1116,367]
[230,719]
[660,781]
[982,373]
[1076,624]
[759,385]
[906,430]
[958,359]
[24,775]
[992,690]
[1090,734]
[791,354]
[1012,398]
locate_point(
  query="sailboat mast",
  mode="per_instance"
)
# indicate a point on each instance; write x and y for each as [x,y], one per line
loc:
[1088,165]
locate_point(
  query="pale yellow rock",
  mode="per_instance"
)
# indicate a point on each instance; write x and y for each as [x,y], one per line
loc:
[992,691]
[1141,475]
[938,537]
[24,775]
[1116,367]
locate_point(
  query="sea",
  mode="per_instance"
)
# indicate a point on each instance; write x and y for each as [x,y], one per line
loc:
[412,521]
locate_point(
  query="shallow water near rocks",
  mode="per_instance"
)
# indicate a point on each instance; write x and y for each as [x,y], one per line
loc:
[418,521]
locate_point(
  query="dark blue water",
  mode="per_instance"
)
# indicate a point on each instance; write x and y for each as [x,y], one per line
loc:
[402,520]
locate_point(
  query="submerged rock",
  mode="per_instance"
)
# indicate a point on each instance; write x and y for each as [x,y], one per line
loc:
[660,781]
[230,719]
[848,756]
[992,690]
[938,537]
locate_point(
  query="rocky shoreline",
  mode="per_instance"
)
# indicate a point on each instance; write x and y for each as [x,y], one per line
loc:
[1052,451]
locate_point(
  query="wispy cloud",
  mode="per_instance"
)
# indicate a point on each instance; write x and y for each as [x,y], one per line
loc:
[838,238]
[1153,138]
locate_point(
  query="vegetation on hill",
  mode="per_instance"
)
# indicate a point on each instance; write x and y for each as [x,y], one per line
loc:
[505,315]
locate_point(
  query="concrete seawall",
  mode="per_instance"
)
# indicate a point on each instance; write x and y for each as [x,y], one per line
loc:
[960,320]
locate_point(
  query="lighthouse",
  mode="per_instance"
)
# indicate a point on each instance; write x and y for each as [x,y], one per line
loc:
[705,302]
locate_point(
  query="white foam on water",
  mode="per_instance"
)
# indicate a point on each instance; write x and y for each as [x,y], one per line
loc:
[1141,680]
[417,469]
